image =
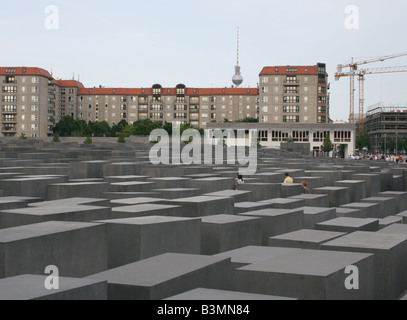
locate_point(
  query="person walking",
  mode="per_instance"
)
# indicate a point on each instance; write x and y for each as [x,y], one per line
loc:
[288,179]
[305,186]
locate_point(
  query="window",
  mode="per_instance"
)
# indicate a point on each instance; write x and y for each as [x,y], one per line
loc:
[276,109]
[276,70]
[265,109]
[34,108]
[291,90]
[305,119]
[265,99]
[180,107]
[265,80]
[263,135]
[276,119]
[291,119]
[204,115]
[180,115]
[305,89]
[9,99]
[321,90]
[10,89]
[276,99]
[321,119]
[292,79]
[291,99]
[291,70]
[34,127]
[156,115]
[321,99]
[265,119]
[123,115]
[34,80]
[305,99]
[291,109]
[322,109]
[180,99]
[276,79]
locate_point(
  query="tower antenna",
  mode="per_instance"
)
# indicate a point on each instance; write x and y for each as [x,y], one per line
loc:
[237,45]
[237,78]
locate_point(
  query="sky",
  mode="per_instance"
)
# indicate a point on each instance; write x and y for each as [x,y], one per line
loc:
[140,43]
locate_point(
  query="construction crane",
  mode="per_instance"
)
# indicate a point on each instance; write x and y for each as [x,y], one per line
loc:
[353,66]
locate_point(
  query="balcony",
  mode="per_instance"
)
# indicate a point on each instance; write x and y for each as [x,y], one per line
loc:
[9,130]
[9,81]
[143,109]
[291,83]
[143,101]
[194,118]
[194,110]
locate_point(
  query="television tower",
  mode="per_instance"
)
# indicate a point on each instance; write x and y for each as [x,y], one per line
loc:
[237,78]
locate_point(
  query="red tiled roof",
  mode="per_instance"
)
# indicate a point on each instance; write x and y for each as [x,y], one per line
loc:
[115,91]
[69,83]
[282,70]
[164,92]
[28,71]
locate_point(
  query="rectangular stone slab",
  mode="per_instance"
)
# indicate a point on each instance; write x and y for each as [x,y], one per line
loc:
[176,193]
[226,232]
[390,259]
[357,189]
[278,221]
[304,239]
[337,195]
[202,294]
[314,200]
[78,249]
[166,275]
[400,199]
[146,209]
[134,239]
[237,195]
[203,206]
[285,203]
[312,216]
[242,207]
[309,275]
[387,205]
[79,189]
[32,287]
[368,209]
[349,225]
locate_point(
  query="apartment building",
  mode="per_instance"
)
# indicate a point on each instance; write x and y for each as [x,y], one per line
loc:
[33,101]
[28,101]
[294,94]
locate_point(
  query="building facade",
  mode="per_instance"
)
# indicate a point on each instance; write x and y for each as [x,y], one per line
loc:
[33,101]
[294,94]
[385,124]
[273,135]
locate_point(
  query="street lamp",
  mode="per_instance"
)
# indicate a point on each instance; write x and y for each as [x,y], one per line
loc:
[385,144]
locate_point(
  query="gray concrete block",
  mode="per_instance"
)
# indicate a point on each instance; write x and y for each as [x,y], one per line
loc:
[97,202]
[357,189]
[226,232]
[134,239]
[386,222]
[171,182]
[395,228]
[122,169]
[309,275]
[313,182]
[314,200]
[403,215]
[209,185]
[329,176]
[127,195]
[29,186]
[132,186]
[242,207]
[31,215]
[263,191]
[113,179]
[304,239]
[337,195]
[313,215]
[373,183]
[349,213]
[12,204]
[368,210]
[73,190]
[167,275]
[390,256]
[269,177]
[387,205]
[386,181]
[31,287]
[400,199]
[349,225]
[202,294]
[77,249]
[278,221]
[291,190]
[87,169]
[145,210]
[398,183]
[203,206]
[285,203]
[253,254]
[237,195]
[176,193]
[135,201]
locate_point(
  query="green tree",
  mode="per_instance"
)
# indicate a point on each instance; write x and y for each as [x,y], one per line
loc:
[66,126]
[249,120]
[364,141]
[121,138]
[327,146]
[23,136]
[88,140]
[98,129]
[168,127]
[56,138]
[116,128]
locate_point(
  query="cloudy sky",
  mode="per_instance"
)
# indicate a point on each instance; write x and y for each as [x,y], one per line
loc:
[139,43]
